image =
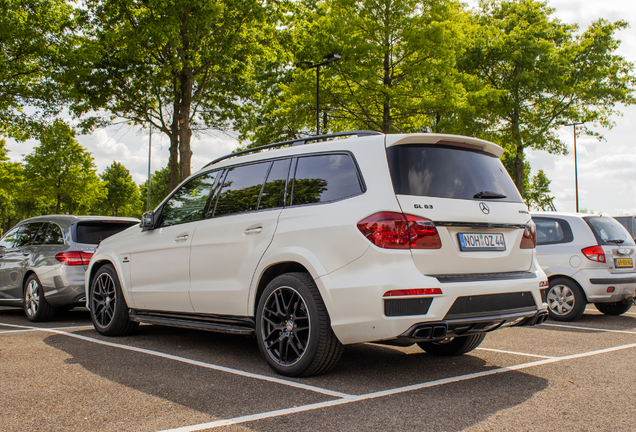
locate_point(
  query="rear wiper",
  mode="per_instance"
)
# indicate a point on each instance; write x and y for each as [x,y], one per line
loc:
[617,241]
[489,194]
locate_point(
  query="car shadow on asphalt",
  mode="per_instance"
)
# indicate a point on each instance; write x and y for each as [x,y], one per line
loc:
[363,369]
[62,318]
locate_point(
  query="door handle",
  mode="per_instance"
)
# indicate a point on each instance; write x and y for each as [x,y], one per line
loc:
[26,253]
[253,230]
[181,237]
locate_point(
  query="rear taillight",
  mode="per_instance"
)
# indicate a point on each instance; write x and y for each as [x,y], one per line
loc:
[74,258]
[594,253]
[392,230]
[529,239]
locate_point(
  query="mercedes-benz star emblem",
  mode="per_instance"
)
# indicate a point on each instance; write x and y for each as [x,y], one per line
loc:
[484,208]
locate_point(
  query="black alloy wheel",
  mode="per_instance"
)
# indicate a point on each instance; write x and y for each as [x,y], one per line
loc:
[293,328]
[109,311]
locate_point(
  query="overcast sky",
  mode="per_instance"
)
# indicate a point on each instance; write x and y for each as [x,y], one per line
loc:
[607,169]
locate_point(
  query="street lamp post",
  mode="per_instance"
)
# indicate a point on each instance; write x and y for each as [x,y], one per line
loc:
[329,58]
[576,172]
[149,154]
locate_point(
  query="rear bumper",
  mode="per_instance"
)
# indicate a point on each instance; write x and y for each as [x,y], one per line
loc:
[596,282]
[360,311]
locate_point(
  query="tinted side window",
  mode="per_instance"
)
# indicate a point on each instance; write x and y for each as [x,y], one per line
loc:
[552,231]
[241,189]
[54,235]
[324,178]
[189,202]
[9,240]
[274,189]
[27,234]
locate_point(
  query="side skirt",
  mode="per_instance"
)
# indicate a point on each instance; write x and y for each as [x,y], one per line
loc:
[215,323]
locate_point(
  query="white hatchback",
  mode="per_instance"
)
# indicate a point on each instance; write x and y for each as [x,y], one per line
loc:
[322,242]
[588,259]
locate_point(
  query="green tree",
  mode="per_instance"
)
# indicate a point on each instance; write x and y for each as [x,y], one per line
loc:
[11,180]
[62,173]
[542,74]
[33,35]
[123,197]
[179,66]
[397,73]
[537,194]
[158,189]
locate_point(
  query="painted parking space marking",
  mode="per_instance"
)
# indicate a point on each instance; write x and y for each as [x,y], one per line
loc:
[35,329]
[589,328]
[194,362]
[391,392]
[514,353]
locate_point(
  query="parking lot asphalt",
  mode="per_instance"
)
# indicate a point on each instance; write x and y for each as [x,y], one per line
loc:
[64,376]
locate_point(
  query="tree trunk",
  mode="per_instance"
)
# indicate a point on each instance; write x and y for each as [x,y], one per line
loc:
[185,133]
[173,161]
[386,112]
[520,168]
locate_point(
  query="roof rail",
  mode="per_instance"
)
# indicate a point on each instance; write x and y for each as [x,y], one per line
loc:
[299,141]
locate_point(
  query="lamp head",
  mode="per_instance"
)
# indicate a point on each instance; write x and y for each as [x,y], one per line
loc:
[332,57]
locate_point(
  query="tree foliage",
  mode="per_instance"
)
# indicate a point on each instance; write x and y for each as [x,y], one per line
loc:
[159,189]
[11,180]
[397,73]
[543,75]
[123,197]
[33,38]
[179,66]
[537,194]
[61,173]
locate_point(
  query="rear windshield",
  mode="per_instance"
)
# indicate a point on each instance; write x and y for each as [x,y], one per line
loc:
[93,232]
[449,172]
[609,231]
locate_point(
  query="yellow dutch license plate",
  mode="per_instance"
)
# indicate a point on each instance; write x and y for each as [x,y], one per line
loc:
[623,262]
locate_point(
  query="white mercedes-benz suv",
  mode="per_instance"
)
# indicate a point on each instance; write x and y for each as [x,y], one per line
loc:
[328,241]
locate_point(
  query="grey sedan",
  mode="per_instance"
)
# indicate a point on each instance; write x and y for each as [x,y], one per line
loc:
[43,261]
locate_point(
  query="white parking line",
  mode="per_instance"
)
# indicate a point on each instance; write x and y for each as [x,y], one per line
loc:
[194,362]
[589,328]
[278,413]
[34,329]
[515,353]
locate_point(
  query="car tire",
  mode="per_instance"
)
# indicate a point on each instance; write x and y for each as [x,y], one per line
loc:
[455,346]
[36,308]
[109,311]
[566,300]
[614,309]
[293,327]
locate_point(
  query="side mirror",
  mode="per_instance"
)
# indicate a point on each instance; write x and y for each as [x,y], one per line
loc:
[147,221]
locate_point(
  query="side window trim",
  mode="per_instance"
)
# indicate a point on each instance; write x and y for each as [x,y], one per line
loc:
[217,191]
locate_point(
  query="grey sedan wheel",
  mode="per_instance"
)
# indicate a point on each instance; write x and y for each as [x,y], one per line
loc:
[108,307]
[35,305]
[566,301]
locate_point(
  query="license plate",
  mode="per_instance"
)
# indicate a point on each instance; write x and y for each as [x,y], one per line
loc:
[623,262]
[482,242]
